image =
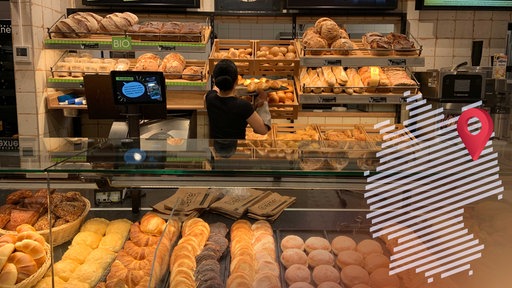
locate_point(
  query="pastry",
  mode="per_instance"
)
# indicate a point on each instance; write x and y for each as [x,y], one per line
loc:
[77,253]
[118,226]
[25,265]
[113,242]
[342,243]
[63,269]
[314,243]
[349,257]
[8,275]
[293,256]
[47,281]
[96,225]
[140,238]
[266,279]
[86,238]
[297,273]
[88,274]
[30,235]
[380,278]
[320,257]
[5,251]
[361,285]
[353,274]
[152,224]
[33,249]
[68,210]
[369,246]
[329,284]
[21,216]
[325,273]
[193,73]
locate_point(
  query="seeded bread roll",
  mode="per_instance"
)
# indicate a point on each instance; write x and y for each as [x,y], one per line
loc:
[192,73]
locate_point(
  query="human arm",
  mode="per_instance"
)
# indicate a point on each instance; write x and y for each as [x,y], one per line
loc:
[260,120]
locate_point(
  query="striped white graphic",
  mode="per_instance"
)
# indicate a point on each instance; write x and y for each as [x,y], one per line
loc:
[425,178]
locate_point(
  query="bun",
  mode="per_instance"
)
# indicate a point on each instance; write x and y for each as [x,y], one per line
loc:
[380,278]
[25,265]
[87,238]
[293,256]
[77,253]
[329,284]
[8,275]
[119,226]
[301,285]
[375,261]
[297,273]
[353,275]
[342,43]
[63,269]
[193,73]
[34,249]
[369,246]
[320,257]
[349,257]
[113,242]
[342,243]
[325,273]
[315,243]
[152,224]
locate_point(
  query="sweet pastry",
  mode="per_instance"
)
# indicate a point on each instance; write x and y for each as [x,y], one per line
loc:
[353,274]
[118,226]
[315,243]
[5,251]
[140,238]
[33,249]
[96,225]
[325,273]
[380,278]
[152,224]
[342,243]
[361,285]
[8,275]
[86,274]
[100,257]
[320,257]
[46,282]
[297,273]
[30,235]
[369,246]
[293,256]
[113,242]
[349,257]
[266,279]
[21,216]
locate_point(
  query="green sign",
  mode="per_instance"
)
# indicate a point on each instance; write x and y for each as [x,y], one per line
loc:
[121,43]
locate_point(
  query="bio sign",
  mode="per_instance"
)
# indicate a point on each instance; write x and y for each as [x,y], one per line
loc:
[121,43]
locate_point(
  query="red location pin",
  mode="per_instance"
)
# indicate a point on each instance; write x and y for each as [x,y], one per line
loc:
[475,143]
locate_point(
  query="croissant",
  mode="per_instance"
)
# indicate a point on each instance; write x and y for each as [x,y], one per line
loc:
[34,249]
[152,224]
[133,278]
[32,236]
[117,274]
[131,263]
[140,238]
[8,238]
[25,265]
[5,252]
[9,275]
[138,253]
[25,227]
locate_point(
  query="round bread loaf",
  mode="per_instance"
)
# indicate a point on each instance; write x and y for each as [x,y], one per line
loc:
[353,275]
[325,273]
[342,43]
[320,257]
[342,243]
[292,241]
[315,43]
[321,21]
[193,73]
[369,246]
[317,243]
[297,273]
[330,31]
[380,278]
[349,257]
[293,256]
[329,285]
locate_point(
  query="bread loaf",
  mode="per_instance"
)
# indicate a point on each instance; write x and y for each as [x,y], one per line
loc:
[339,73]
[354,84]
[323,81]
[316,84]
[329,76]
[193,73]
[118,22]
[342,46]
[329,30]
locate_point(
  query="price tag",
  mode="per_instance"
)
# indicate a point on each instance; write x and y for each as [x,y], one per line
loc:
[121,43]
[334,62]
[90,45]
[397,62]
[327,99]
[166,48]
[377,100]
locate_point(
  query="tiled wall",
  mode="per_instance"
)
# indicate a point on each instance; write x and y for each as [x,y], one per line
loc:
[446,37]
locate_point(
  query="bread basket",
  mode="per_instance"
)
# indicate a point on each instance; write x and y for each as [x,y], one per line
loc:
[64,232]
[36,277]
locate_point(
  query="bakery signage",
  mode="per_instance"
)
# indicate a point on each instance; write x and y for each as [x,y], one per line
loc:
[121,43]
[90,45]
[166,48]
[9,145]
[397,62]
[5,27]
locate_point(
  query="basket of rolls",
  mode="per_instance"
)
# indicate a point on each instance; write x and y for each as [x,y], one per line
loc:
[68,211]
[24,257]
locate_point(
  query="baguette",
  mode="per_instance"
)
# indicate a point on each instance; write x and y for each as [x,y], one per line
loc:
[354,81]
[329,76]
[339,73]
[305,81]
[315,81]
[323,82]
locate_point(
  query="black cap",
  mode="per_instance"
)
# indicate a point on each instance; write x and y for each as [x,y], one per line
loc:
[225,75]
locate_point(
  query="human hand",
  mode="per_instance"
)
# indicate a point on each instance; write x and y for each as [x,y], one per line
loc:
[261,98]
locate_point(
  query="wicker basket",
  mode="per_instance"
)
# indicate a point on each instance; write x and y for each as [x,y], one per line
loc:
[64,232]
[36,277]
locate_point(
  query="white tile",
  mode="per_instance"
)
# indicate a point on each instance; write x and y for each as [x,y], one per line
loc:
[464,15]
[37,15]
[40,81]
[429,63]
[351,120]
[428,15]
[497,45]
[369,120]
[334,120]
[444,47]
[499,29]
[411,12]
[413,28]
[462,47]
[27,125]
[429,47]
[316,120]
[482,29]
[463,29]
[426,29]
[501,15]
[447,15]
[441,61]
[25,80]
[26,103]
[445,29]
[483,15]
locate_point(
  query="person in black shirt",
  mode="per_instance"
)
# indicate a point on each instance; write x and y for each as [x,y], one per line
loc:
[229,115]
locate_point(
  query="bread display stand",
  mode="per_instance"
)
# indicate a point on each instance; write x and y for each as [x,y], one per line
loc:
[244,65]
[278,67]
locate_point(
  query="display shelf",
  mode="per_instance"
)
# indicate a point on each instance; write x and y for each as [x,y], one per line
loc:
[358,61]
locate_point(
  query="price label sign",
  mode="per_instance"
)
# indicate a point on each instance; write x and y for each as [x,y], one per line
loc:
[397,62]
[333,62]
[121,43]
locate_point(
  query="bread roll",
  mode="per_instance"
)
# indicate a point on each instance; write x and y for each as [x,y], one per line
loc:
[361,285]
[118,226]
[353,275]
[293,256]
[77,253]
[9,239]
[349,257]
[34,249]
[193,73]
[5,252]
[152,224]
[297,273]
[315,45]
[113,242]
[325,273]
[25,227]
[375,261]
[380,278]
[63,269]
[25,265]
[342,243]
[301,285]
[330,31]
[89,274]
[320,257]
[8,275]
[292,241]
[329,284]
[315,243]
[342,46]
[46,282]
[369,246]
[320,21]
